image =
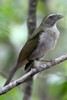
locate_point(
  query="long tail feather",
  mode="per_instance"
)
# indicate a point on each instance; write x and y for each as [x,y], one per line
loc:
[11,75]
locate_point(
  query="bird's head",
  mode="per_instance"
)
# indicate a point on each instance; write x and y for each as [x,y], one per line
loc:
[50,20]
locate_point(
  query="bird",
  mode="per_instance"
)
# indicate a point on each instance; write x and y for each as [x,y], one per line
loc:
[43,39]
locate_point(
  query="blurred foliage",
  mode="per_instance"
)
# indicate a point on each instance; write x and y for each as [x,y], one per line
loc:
[50,84]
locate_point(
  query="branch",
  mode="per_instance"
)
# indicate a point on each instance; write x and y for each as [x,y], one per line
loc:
[31,73]
[31,21]
[31,24]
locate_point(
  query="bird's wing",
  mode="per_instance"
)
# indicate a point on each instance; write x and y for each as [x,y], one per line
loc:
[27,49]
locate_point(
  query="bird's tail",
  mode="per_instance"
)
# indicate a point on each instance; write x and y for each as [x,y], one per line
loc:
[11,75]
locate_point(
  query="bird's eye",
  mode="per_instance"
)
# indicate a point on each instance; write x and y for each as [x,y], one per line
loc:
[51,17]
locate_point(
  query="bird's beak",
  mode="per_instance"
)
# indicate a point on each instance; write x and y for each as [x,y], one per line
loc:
[59,16]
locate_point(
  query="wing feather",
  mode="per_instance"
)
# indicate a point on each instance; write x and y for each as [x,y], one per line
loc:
[27,49]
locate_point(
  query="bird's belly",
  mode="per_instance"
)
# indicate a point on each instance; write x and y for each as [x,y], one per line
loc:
[44,44]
